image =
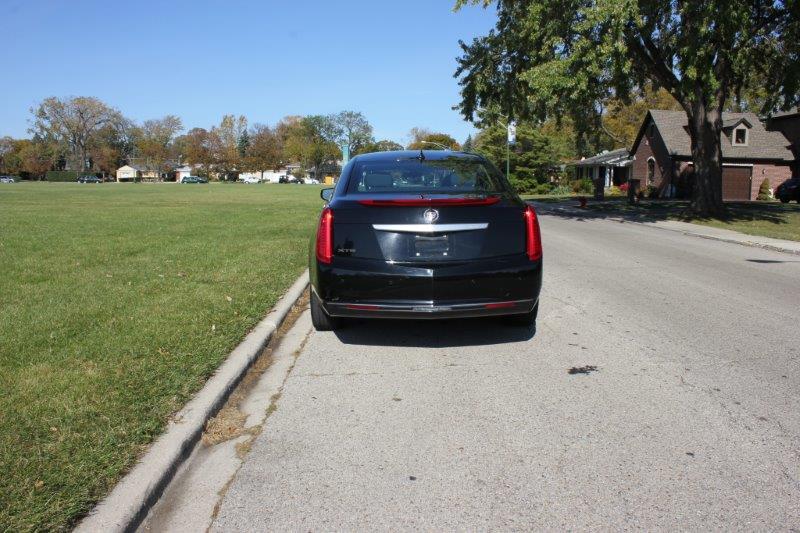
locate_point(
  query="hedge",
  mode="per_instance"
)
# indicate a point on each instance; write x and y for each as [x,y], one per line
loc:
[65,175]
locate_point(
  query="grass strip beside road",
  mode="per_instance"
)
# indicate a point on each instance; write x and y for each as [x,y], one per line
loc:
[118,302]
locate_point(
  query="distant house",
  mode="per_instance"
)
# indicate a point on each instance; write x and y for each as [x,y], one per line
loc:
[183,171]
[134,172]
[269,176]
[662,155]
[605,169]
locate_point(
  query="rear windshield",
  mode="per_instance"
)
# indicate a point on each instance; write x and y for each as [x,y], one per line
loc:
[440,176]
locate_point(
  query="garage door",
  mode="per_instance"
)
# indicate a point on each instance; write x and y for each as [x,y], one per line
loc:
[736,183]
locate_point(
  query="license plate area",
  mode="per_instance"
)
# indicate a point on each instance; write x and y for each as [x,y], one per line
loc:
[430,246]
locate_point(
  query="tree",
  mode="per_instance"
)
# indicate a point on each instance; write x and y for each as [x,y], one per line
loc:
[37,158]
[380,146]
[225,144]
[622,119]
[243,144]
[533,159]
[74,122]
[7,151]
[264,151]
[351,129]
[468,144]
[568,58]
[155,143]
[197,148]
[308,141]
[423,139]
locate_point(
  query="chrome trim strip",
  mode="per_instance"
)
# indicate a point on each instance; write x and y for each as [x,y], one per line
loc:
[429,228]
[428,307]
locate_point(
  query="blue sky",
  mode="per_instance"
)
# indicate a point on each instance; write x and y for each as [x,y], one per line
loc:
[393,61]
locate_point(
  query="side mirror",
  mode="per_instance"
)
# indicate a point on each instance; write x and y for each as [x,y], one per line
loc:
[326,194]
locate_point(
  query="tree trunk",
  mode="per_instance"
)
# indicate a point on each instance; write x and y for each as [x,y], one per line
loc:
[705,128]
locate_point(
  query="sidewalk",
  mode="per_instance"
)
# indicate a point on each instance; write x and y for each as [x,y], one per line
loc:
[687,228]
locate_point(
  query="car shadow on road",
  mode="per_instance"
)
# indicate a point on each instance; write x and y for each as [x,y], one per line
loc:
[432,333]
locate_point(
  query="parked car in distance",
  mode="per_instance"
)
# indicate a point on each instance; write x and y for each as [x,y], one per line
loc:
[789,190]
[429,234]
[283,179]
[193,179]
[6,179]
[251,180]
[89,179]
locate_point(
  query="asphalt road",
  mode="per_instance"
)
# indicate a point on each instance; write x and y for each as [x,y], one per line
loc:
[691,419]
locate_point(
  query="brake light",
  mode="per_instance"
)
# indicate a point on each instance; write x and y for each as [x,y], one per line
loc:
[325,236]
[429,202]
[499,305]
[533,236]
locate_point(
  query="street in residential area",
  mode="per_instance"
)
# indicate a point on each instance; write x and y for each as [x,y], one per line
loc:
[659,392]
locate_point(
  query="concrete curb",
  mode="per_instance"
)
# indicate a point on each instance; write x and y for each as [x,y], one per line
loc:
[131,499]
[745,240]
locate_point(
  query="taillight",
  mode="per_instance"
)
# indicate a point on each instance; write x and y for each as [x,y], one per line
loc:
[533,237]
[325,236]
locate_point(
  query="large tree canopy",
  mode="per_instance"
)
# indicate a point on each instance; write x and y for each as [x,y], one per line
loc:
[74,123]
[569,58]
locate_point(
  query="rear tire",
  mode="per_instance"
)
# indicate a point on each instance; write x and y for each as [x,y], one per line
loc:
[321,320]
[525,320]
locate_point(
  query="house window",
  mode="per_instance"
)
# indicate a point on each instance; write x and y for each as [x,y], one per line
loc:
[740,137]
[651,170]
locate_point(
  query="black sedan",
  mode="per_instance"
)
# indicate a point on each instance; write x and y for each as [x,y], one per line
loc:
[789,190]
[424,234]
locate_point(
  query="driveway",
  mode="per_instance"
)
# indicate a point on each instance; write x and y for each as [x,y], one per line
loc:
[660,391]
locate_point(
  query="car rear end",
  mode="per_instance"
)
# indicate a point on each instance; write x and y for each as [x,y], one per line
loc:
[426,235]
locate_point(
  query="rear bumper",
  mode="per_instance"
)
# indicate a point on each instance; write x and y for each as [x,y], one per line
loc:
[366,288]
[428,310]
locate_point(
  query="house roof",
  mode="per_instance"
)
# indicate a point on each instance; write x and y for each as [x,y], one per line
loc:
[614,157]
[761,144]
[789,113]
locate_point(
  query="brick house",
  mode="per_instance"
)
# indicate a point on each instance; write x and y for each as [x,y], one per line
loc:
[788,123]
[751,153]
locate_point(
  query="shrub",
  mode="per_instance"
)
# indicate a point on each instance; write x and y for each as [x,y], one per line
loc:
[615,191]
[764,191]
[624,187]
[584,186]
[61,175]
[543,188]
[561,190]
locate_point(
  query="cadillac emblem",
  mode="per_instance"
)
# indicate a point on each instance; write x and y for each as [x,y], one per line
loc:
[431,216]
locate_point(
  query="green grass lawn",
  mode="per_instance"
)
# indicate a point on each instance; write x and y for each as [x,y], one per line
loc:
[766,219]
[118,302]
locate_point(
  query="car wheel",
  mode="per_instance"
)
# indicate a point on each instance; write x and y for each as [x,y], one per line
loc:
[321,320]
[526,320]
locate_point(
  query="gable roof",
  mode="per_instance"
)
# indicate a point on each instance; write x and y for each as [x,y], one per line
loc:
[761,144]
[613,157]
[733,122]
